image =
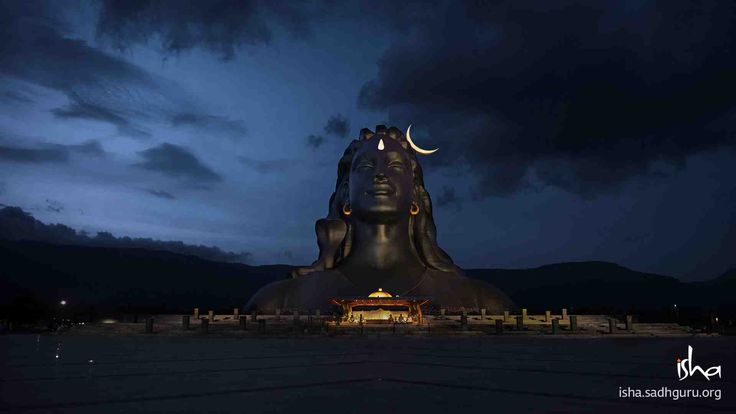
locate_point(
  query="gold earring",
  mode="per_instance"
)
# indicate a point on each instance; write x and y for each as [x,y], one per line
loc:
[346,210]
[414,210]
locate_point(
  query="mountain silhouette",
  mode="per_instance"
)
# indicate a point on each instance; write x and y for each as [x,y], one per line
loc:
[121,278]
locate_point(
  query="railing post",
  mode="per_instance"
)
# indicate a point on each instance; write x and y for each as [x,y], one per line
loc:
[499,326]
[204,325]
[185,322]
[149,325]
[555,326]
[520,322]
[243,322]
[573,323]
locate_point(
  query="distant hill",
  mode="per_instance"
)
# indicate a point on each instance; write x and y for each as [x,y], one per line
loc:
[41,263]
[127,279]
[111,279]
[599,285]
[16,224]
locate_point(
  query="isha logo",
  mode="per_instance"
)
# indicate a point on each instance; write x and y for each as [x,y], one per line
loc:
[686,369]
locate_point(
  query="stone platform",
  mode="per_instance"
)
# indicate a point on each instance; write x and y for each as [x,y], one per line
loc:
[355,374]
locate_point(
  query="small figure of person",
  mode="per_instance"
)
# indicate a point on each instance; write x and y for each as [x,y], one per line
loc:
[351,319]
[390,318]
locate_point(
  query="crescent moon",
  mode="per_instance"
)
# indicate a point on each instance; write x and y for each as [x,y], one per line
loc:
[415,147]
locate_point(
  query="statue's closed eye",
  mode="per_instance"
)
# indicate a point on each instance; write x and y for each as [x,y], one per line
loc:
[363,165]
[398,165]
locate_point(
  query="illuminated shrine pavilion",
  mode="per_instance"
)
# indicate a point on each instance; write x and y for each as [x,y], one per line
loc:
[381,307]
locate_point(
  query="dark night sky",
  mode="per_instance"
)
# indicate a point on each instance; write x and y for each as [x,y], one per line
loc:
[568,130]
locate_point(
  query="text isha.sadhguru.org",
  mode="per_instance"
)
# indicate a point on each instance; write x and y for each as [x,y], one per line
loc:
[666,392]
[685,368]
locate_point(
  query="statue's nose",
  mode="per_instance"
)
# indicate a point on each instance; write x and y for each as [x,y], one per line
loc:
[380,178]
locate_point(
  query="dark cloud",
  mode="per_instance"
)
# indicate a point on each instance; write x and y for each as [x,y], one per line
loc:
[338,125]
[33,48]
[34,155]
[91,147]
[221,26]
[85,110]
[221,125]
[176,161]
[447,197]
[160,194]
[266,166]
[637,238]
[315,141]
[100,87]
[50,152]
[54,206]
[578,95]
[14,97]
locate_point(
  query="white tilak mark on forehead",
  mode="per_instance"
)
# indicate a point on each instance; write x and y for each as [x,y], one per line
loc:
[380,145]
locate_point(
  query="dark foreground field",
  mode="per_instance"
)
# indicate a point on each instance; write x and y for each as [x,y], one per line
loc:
[483,374]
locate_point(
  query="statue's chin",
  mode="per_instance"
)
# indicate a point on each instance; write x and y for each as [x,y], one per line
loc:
[379,214]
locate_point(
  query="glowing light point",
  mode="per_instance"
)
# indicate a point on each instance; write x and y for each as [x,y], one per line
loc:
[380,145]
[63,302]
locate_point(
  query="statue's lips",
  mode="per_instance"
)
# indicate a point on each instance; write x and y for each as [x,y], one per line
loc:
[380,190]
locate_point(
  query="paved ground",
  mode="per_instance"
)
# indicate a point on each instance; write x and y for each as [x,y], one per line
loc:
[354,374]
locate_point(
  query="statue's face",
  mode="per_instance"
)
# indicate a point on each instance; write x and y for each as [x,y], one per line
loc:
[381,181]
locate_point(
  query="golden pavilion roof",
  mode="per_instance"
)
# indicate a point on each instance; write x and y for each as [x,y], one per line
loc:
[379,294]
